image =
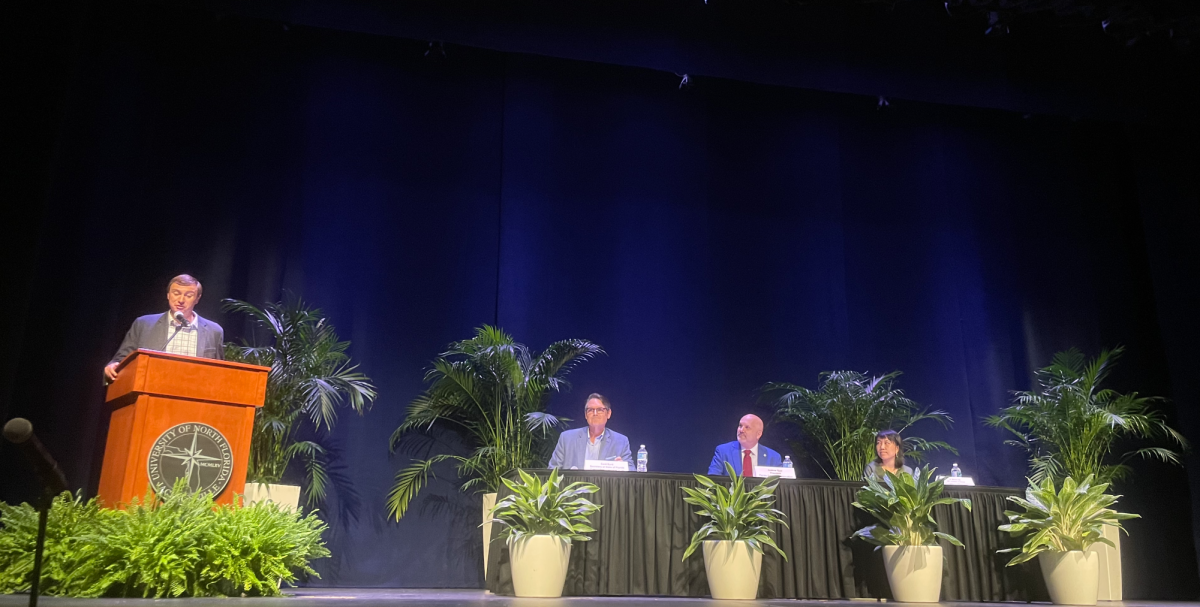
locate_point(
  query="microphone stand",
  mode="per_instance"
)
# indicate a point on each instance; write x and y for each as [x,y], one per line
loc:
[20,432]
[178,328]
[40,549]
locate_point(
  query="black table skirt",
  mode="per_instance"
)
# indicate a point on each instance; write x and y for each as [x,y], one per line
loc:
[644,527]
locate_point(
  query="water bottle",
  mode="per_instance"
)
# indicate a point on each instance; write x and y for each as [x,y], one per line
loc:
[642,458]
[955,471]
[787,461]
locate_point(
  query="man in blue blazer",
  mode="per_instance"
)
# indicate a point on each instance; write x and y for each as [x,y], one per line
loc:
[746,449]
[178,331]
[596,441]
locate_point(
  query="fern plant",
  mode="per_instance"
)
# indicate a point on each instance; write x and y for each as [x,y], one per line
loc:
[845,411]
[735,513]
[545,508]
[1069,424]
[156,548]
[183,546]
[74,552]
[280,544]
[903,504]
[1071,518]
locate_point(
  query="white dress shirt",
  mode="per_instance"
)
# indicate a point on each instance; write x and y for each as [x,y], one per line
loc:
[181,339]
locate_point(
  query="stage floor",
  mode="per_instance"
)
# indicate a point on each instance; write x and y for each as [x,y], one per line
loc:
[380,597]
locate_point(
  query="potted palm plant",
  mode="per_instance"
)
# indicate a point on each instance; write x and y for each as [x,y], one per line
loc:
[735,536]
[1070,425]
[494,392]
[843,414]
[311,378]
[540,520]
[1061,526]
[907,532]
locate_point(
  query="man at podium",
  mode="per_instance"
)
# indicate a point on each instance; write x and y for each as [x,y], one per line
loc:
[177,331]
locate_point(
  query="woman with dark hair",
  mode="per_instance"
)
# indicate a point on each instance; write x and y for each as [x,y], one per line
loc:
[889,456]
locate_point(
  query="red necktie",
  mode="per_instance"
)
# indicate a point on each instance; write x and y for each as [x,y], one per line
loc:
[747,464]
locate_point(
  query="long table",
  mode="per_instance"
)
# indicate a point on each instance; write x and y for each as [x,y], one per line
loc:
[644,527]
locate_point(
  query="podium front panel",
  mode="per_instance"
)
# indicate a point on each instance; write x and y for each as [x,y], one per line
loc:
[167,438]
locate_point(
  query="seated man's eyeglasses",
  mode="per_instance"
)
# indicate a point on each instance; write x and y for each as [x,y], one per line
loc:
[594,410]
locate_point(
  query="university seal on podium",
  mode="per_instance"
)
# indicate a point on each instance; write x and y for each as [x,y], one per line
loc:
[195,452]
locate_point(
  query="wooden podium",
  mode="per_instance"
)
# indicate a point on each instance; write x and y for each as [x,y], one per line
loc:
[179,417]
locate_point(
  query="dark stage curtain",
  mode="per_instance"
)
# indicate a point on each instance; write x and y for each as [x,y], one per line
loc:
[644,527]
[711,239]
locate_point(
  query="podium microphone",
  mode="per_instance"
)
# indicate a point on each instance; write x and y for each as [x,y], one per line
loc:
[19,432]
[178,316]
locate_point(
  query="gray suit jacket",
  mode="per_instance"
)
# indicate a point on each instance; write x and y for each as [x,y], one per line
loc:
[571,449]
[152,331]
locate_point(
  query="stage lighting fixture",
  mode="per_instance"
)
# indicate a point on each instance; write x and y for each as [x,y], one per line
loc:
[436,51]
[684,81]
[997,24]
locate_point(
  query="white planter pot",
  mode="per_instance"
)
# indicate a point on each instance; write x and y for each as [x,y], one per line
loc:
[733,569]
[1071,577]
[914,573]
[539,565]
[1110,586]
[489,502]
[287,497]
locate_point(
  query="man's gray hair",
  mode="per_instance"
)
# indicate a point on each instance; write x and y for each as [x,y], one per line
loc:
[601,398]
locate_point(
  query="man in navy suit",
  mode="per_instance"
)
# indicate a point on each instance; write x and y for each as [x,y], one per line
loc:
[178,331]
[595,441]
[746,452]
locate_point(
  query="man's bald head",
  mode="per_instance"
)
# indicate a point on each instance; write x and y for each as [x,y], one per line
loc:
[750,429]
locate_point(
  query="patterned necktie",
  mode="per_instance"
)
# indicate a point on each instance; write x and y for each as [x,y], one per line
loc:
[747,464]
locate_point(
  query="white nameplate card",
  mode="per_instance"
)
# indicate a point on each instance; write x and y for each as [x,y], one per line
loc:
[960,480]
[603,464]
[780,471]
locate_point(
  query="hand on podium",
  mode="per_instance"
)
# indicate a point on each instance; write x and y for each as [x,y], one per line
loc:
[110,372]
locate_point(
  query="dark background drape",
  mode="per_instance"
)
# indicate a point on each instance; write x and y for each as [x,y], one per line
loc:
[711,239]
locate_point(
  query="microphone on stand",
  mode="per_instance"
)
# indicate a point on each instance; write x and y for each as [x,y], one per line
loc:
[19,432]
[179,318]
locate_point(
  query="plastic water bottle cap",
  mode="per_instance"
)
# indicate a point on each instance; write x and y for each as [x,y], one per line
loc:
[643,446]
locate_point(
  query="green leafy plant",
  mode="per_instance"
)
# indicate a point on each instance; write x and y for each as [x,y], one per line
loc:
[74,557]
[494,392]
[1072,518]
[545,508]
[1069,424]
[311,378]
[735,513]
[903,504]
[184,545]
[843,414]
